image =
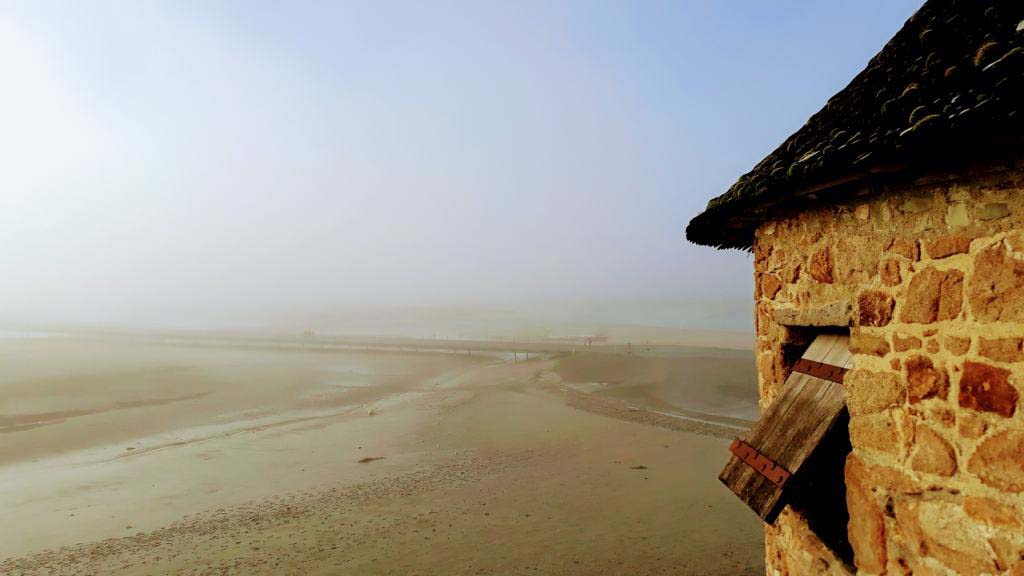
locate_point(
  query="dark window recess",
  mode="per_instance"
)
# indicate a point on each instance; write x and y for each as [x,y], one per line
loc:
[819,491]
[796,453]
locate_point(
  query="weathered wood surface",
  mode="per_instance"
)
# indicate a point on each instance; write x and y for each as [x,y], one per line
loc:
[795,423]
[830,348]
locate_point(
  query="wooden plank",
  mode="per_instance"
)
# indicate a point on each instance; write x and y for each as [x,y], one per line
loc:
[838,355]
[795,423]
[829,348]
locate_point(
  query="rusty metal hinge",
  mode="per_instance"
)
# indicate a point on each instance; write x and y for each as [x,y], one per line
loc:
[820,370]
[764,465]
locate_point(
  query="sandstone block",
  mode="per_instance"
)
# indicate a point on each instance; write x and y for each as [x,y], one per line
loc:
[993,512]
[801,550]
[944,246]
[958,346]
[778,257]
[875,308]
[956,215]
[833,314]
[932,453]
[987,388]
[881,216]
[1002,349]
[889,270]
[866,528]
[943,416]
[856,258]
[904,342]
[972,425]
[996,290]
[773,549]
[993,211]
[862,343]
[791,273]
[999,461]
[942,530]
[891,479]
[762,318]
[762,250]
[933,295]
[875,432]
[766,368]
[925,380]
[821,266]
[915,204]
[1006,552]
[769,285]
[868,391]
[905,247]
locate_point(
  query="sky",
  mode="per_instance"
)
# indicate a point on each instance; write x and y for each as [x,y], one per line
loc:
[208,163]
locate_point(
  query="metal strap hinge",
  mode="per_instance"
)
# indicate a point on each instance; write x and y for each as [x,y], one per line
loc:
[820,370]
[764,465]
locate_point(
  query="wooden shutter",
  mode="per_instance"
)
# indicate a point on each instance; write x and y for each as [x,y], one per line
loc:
[799,418]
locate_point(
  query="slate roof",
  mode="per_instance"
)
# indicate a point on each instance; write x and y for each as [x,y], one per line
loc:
[948,85]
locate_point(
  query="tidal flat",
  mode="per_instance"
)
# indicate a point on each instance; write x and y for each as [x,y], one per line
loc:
[192,456]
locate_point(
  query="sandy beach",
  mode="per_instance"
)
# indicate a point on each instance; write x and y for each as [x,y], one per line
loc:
[125,457]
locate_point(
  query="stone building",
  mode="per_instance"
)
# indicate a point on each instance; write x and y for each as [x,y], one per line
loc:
[897,213]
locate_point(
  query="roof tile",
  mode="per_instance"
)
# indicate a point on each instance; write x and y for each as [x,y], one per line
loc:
[950,83]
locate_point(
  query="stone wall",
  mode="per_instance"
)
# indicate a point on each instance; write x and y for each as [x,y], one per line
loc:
[930,278]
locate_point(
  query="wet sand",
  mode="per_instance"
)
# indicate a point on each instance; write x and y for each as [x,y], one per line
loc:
[152,459]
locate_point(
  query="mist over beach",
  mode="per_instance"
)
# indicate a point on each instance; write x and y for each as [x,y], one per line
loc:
[162,452]
[386,288]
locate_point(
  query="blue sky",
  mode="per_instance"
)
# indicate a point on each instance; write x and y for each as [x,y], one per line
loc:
[201,162]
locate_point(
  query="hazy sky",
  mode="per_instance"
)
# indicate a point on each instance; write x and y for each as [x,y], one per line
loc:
[191,162]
